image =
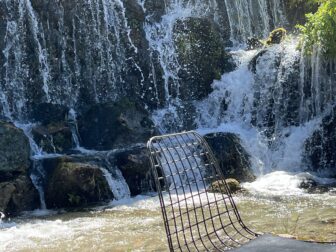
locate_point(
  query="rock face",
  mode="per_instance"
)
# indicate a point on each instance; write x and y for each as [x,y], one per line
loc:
[16,190]
[135,167]
[320,148]
[112,125]
[201,56]
[233,158]
[74,184]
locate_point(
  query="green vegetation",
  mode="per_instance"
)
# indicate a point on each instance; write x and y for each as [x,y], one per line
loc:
[319,29]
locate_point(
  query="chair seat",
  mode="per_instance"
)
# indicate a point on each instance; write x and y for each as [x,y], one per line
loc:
[271,243]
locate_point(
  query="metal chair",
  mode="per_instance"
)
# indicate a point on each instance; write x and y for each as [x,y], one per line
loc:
[196,219]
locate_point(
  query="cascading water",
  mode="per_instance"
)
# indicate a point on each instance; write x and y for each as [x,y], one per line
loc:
[263,102]
[41,67]
[246,19]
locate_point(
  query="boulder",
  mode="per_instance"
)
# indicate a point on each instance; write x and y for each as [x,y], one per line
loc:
[18,195]
[201,55]
[54,137]
[75,184]
[233,159]
[14,152]
[135,167]
[254,43]
[219,186]
[113,125]
[17,192]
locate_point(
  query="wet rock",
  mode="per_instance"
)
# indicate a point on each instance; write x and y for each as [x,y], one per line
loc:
[201,55]
[308,183]
[135,167]
[14,152]
[231,155]
[18,195]
[53,138]
[47,113]
[219,186]
[320,148]
[254,43]
[17,192]
[112,125]
[276,90]
[74,184]
[138,58]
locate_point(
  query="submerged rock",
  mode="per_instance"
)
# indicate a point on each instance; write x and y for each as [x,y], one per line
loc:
[112,125]
[233,159]
[75,184]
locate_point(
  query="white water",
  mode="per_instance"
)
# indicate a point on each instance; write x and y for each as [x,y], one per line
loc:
[282,183]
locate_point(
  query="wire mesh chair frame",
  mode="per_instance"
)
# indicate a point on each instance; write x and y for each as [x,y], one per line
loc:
[195,219]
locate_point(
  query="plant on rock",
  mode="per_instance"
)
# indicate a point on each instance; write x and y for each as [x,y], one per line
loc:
[319,30]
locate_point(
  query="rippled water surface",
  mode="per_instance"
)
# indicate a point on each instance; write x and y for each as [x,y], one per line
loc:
[136,225]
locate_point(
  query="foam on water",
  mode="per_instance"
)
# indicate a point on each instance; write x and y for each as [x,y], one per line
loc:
[282,183]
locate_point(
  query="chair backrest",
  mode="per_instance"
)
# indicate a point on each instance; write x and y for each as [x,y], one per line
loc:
[187,174]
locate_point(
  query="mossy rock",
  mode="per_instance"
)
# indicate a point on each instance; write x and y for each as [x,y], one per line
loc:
[219,186]
[276,36]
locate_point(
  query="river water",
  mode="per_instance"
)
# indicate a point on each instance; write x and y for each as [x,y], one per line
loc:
[136,225]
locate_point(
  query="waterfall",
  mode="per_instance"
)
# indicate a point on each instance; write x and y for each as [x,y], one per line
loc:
[260,101]
[38,176]
[249,18]
[54,58]
[246,18]
[117,184]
